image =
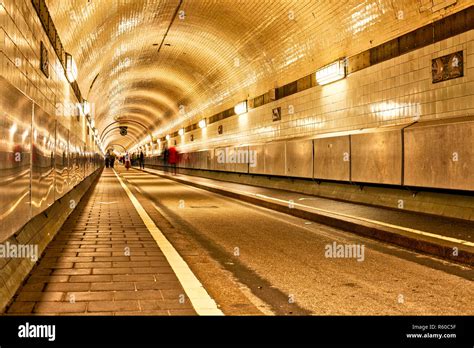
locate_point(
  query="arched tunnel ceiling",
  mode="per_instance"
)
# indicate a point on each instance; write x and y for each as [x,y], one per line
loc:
[145,58]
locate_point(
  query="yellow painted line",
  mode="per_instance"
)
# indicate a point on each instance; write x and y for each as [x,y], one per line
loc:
[406,229]
[200,299]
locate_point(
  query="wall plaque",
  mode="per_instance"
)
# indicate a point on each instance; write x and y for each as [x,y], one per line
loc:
[276,114]
[447,67]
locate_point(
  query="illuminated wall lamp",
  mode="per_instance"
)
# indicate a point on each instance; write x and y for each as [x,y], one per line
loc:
[86,107]
[167,137]
[332,72]
[202,124]
[241,108]
[71,68]
[181,132]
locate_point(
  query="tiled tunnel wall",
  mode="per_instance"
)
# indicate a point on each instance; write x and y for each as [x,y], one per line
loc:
[398,127]
[46,151]
[46,148]
[396,91]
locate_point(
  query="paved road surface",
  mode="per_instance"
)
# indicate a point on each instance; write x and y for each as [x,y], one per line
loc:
[282,259]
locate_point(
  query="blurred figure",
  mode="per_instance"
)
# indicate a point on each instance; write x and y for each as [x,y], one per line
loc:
[166,153]
[112,160]
[127,161]
[173,158]
[107,159]
[142,160]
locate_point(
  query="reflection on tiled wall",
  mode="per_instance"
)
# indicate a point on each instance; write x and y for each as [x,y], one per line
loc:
[44,149]
[396,91]
[20,36]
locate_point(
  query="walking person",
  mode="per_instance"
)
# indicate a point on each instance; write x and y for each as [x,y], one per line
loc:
[112,160]
[165,157]
[127,161]
[142,160]
[173,158]
[107,160]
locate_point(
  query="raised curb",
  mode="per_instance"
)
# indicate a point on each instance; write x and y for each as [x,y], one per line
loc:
[441,249]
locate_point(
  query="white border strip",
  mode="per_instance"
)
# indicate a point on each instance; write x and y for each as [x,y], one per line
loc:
[200,299]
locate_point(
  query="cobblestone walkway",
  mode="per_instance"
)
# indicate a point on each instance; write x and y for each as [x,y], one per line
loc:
[103,261]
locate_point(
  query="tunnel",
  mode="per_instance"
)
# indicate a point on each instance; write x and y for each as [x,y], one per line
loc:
[252,159]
